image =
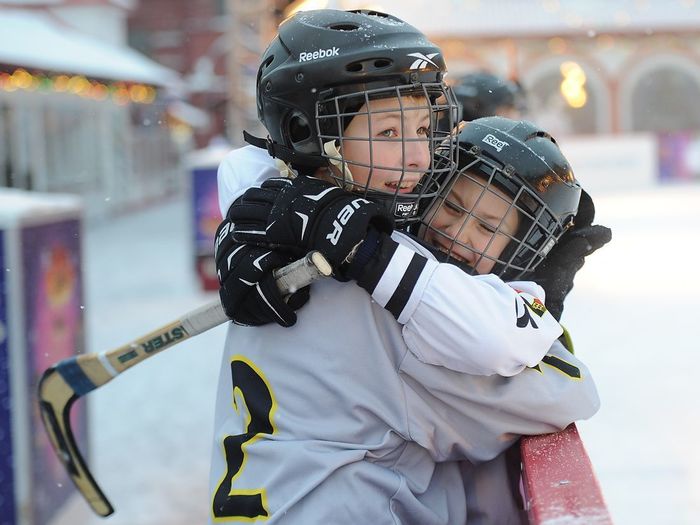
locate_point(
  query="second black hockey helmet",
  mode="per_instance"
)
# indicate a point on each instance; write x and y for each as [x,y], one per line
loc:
[514,166]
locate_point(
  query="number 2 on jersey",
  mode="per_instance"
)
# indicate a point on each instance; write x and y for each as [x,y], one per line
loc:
[244,504]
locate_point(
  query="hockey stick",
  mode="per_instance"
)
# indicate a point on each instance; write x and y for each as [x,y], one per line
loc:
[68,380]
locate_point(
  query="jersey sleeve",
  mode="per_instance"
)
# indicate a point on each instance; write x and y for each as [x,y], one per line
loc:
[462,415]
[470,324]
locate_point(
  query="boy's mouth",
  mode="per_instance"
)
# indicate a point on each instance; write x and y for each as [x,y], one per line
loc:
[401,186]
[452,253]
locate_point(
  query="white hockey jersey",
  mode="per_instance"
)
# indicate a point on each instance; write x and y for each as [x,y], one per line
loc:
[446,310]
[336,421]
[344,419]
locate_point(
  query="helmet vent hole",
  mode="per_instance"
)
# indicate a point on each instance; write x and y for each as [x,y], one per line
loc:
[368,65]
[542,135]
[545,135]
[344,27]
[374,13]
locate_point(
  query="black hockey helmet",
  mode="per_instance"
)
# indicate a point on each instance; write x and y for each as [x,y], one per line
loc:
[323,67]
[482,94]
[526,165]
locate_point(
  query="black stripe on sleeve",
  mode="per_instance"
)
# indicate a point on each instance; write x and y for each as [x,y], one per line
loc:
[405,288]
[373,271]
[561,365]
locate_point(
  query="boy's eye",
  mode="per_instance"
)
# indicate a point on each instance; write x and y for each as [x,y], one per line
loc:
[423,131]
[487,227]
[452,208]
[390,133]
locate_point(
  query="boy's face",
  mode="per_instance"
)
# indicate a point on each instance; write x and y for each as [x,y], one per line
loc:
[398,153]
[473,223]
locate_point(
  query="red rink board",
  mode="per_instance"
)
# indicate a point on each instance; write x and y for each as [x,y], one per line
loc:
[559,484]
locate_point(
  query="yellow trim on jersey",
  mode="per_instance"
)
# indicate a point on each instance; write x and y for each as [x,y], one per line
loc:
[568,342]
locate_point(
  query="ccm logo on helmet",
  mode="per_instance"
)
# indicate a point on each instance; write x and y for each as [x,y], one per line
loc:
[320,53]
[343,218]
[493,141]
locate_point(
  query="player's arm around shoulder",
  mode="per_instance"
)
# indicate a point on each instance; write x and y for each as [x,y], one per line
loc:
[458,415]
[472,324]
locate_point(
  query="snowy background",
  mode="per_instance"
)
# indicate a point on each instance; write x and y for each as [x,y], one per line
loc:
[633,315]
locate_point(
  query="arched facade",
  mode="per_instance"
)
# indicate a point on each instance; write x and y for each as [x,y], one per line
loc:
[634,82]
[543,80]
[660,92]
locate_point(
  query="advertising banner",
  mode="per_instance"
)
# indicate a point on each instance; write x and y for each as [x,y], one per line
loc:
[54,322]
[7,497]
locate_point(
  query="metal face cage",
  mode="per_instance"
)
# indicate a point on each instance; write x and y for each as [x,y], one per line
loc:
[488,220]
[385,145]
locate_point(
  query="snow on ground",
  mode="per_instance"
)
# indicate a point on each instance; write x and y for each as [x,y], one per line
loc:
[633,315]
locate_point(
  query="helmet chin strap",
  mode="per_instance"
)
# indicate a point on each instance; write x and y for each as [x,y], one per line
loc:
[285,169]
[330,148]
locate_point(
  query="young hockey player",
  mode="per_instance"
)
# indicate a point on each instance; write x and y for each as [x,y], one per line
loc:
[348,409]
[483,94]
[381,101]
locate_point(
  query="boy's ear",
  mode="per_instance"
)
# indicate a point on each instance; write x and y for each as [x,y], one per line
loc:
[298,129]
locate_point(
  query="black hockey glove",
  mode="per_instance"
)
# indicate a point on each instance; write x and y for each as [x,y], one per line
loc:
[556,273]
[248,290]
[307,214]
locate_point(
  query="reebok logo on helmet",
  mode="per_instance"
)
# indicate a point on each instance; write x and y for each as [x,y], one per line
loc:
[422,60]
[493,141]
[306,56]
[405,209]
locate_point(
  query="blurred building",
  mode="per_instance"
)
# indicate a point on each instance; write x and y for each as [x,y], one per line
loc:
[617,77]
[80,111]
[216,46]
[590,67]
[190,37]
[253,25]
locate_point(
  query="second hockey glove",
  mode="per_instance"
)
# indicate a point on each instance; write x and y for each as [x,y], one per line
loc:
[556,273]
[248,290]
[306,214]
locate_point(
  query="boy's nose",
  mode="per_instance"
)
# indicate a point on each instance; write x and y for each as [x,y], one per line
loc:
[460,230]
[417,154]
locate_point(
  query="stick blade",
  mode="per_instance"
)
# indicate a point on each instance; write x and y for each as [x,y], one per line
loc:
[55,398]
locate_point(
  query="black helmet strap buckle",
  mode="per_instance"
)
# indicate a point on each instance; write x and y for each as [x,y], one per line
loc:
[277,151]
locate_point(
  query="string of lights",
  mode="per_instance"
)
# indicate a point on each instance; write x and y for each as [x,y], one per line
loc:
[121,93]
